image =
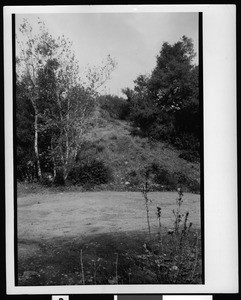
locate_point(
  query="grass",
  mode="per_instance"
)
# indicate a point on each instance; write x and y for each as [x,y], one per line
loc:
[113,145]
[125,154]
[184,252]
[26,188]
[59,262]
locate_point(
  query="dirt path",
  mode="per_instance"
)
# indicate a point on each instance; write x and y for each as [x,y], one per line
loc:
[45,216]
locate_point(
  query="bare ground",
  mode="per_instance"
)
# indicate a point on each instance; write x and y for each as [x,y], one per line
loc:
[65,215]
[54,228]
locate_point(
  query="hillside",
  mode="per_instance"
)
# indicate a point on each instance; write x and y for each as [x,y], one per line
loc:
[125,155]
[113,159]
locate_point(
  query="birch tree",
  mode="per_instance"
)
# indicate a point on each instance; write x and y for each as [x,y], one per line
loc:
[62,105]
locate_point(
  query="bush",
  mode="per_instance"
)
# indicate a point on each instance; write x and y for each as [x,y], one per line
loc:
[47,178]
[100,147]
[117,107]
[59,179]
[162,179]
[191,156]
[184,181]
[161,176]
[134,178]
[90,173]
[187,142]
[194,186]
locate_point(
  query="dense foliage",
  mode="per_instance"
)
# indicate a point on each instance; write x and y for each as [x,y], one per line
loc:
[55,111]
[165,104]
[53,107]
[117,107]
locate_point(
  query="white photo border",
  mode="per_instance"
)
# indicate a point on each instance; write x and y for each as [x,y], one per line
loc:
[220,151]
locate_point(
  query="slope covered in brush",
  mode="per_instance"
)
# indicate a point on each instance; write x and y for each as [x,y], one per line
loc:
[120,159]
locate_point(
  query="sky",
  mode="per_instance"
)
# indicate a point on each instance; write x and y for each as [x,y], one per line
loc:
[132,39]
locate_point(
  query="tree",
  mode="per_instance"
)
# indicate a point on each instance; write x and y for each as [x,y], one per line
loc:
[96,76]
[165,105]
[24,135]
[169,83]
[62,107]
[34,52]
[116,107]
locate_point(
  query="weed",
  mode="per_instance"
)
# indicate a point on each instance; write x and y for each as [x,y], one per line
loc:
[181,265]
[82,266]
[116,268]
[177,212]
[145,191]
[158,212]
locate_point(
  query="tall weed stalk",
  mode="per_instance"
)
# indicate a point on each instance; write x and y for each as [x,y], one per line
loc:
[179,263]
[158,212]
[145,191]
[82,266]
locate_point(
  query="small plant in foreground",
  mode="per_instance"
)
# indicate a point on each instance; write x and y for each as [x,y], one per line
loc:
[145,191]
[177,256]
[82,266]
[177,212]
[116,269]
[158,212]
[95,265]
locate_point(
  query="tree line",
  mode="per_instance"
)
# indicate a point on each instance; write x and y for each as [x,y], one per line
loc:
[164,105]
[55,108]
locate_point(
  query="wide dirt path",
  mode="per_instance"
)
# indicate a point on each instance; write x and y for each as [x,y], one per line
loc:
[44,216]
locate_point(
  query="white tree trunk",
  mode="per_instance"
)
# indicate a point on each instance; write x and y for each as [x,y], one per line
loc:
[36,150]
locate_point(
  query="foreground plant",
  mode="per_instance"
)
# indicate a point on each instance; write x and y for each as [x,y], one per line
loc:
[177,212]
[174,259]
[158,212]
[145,191]
[82,267]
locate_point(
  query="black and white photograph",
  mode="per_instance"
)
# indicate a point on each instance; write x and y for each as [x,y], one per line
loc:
[108,149]
[108,137]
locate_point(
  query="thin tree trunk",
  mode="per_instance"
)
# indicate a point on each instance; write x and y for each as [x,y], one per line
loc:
[67,154]
[53,158]
[36,149]
[67,162]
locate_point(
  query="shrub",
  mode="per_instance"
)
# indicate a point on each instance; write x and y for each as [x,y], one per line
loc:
[181,179]
[116,107]
[184,181]
[59,179]
[162,176]
[47,178]
[191,156]
[90,173]
[187,142]
[113,136]
[194,186]
[134,178]
[100,148]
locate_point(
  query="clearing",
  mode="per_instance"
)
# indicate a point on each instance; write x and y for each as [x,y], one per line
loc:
[70,215]
[54,229]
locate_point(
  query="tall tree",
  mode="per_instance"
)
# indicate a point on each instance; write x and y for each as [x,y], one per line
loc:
[165,105]
[65,119]
[62,107]
[96,76]
[169,84]
[34,52]
[24,135]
